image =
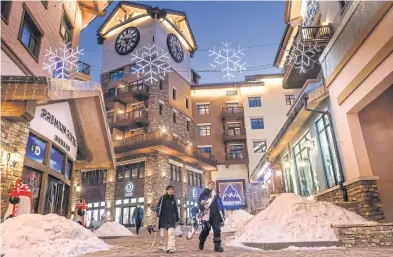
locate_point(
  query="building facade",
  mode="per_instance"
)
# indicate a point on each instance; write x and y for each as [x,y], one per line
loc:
[326,148]
[235,123]
[150,114]
[44,139]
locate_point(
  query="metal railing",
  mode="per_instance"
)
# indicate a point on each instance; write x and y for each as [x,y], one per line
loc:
[83,67]
[236,156]
[235,132]
[135,86]
[318,33]
[134,114]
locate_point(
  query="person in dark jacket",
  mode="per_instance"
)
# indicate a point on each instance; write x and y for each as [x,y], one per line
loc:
[137,216]
[213,216]
[194,213]
[168,215]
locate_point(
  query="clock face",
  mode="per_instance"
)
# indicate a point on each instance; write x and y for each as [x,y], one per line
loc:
[175,48]
[127,40]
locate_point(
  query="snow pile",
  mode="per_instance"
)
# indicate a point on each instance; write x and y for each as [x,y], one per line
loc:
[291,218]
[47,235]
[112,229]
[236,220]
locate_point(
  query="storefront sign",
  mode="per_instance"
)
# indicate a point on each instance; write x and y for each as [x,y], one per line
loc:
[232,193]
[54,121]
[193,193]
[128,188]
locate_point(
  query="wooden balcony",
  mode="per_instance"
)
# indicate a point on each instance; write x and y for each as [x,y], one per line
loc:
[134,119]
[294,77]
[127,93]
[167,144]
[236,158]
[232,134]
[232,113]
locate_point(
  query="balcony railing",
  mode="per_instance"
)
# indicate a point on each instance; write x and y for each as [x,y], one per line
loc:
[83,67]
[235,132]
[134,114]
[317,33]
[136,87]
[236,156]
[129,141]
[232,112]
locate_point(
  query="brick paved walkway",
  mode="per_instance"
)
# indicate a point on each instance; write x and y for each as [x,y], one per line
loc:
[140,246]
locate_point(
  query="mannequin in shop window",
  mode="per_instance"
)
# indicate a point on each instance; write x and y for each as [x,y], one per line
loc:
[137,216]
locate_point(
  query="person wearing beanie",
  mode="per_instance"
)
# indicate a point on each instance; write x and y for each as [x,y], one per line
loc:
[211,205]
[168,216]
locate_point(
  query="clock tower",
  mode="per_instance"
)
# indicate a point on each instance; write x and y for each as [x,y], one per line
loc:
[146,80]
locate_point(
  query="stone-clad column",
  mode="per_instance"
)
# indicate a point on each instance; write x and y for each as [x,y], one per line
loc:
[110,193]
[74,196]
[207,175]
[156,179]
[183,207]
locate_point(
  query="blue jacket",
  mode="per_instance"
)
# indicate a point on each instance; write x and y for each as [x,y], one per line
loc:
[135,214]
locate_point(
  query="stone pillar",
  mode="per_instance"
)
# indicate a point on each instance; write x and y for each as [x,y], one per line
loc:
[156,179]
[183,206]
[110,193]
[13,149]
[74,196]
[207,175]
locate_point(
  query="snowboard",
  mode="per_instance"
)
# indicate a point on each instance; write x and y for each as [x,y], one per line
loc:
[194,228]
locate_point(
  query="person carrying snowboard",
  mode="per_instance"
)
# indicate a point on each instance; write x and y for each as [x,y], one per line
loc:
[213,216]
[168,216]
[137,216]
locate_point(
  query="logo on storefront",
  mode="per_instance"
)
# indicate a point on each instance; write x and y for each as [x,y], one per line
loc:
[128,189]
[194,193]
[232,193]
[35,149]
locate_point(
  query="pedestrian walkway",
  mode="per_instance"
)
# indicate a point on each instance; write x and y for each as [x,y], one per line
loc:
[140,246]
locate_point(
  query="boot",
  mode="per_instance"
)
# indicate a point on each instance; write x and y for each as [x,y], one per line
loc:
[217,244]
[201,244]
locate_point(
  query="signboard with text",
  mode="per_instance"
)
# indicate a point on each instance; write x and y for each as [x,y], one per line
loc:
[232,193]
[54,121]
[193,193]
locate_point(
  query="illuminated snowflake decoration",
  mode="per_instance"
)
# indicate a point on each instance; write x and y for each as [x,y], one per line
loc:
[312,7]
[62,61]
[228,59]
[303,55]
[150,62]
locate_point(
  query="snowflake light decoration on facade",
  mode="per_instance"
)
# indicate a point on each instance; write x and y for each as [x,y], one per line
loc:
[228,59]
[312,7]
[151,62]
[62,61]
[303,55]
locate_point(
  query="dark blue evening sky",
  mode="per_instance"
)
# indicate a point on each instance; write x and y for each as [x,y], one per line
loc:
[243,23]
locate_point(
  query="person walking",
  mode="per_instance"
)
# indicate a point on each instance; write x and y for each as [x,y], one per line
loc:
[168,216]
[137,216]
[211,205]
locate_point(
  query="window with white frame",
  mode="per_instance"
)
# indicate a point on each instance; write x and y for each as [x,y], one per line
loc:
[204,130]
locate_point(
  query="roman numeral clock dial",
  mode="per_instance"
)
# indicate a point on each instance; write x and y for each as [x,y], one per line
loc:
[175,48]
[127,40]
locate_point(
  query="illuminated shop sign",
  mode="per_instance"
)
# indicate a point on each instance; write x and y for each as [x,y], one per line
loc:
[193,193]
[128,188]
[232,193]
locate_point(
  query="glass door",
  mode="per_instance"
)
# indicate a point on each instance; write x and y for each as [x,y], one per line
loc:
[126,216]
[118,215]
[132,222]
[53,195]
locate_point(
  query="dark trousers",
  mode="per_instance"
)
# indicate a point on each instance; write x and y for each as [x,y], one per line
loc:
[138,223]
[206,226]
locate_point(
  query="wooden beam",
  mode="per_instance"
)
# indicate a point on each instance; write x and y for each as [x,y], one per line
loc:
[92,10]
[18,110]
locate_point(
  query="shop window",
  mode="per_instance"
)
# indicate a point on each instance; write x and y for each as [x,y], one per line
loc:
[133,200]
[102,203]
[120,173]
[254,101]
[289,99]
[329,156]
[6,10]
[57,159]
[118,202]
[203,109]
[259,146]
[257,123]
[96,204]
[204,130]
[68,169]
[30,35]
[127,172]
[175,172]
[53,197]
[118,215]
[125,201]
[141,170]
[116,75]
[141,199]
[66,29]
[35,149]
[33,179]
[288,176]
[306,173]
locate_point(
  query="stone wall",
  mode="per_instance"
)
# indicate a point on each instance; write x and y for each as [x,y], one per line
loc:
[13,145]
[110,193]
[74,195]
[365,235]
[363,198]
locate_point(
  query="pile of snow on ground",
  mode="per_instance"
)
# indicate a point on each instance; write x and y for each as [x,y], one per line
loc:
[46,236]
[112,229]
[236,220]
[291,218]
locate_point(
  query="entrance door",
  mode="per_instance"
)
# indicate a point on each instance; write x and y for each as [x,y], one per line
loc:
[132,222]
[54,193]
[126,216]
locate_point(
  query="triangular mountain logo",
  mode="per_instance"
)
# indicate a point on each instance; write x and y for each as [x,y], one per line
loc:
[231,196]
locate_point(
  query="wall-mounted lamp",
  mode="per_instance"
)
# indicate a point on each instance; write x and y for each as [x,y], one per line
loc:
[163,174]
[12,158]
[78,188]
[163,130]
